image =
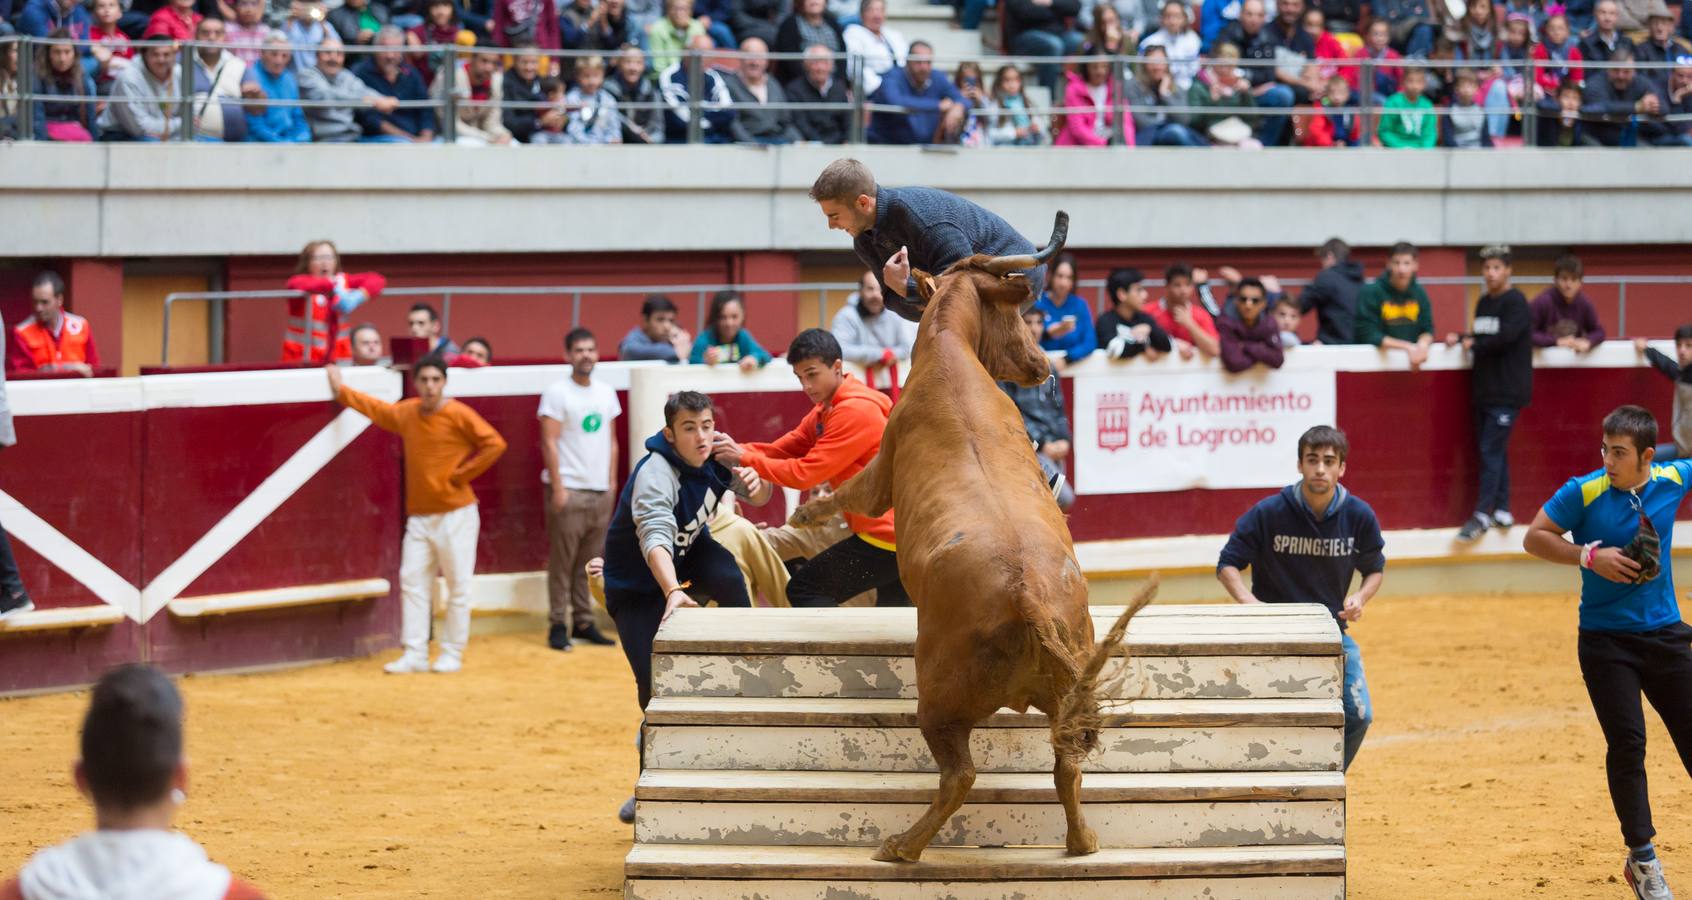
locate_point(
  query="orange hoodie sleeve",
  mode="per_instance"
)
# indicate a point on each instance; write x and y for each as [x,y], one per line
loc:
[793,444]
[378,411]
[852,428]
[489,445]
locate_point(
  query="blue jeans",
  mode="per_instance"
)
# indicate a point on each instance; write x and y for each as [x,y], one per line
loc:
[1493,425]
[1497,105]
[1354,697]
[1271,130]
[1421,40]
[1035,42]
[969,16]
[722,36]
[1169,134]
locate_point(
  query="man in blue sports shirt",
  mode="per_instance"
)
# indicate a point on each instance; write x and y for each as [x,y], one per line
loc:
[1631,637]
[1302,546]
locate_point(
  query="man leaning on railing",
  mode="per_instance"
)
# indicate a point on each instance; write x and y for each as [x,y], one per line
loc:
[146,102]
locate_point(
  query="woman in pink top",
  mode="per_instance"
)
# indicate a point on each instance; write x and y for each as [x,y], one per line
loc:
[1094,106]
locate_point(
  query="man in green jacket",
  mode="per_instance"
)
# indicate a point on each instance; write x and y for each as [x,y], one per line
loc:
[1393,312]
[1221,86]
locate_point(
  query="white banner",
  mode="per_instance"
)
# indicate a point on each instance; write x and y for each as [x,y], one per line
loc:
[1145,433]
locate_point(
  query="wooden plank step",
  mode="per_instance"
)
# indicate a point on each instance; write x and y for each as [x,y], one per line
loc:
[740,785]
[1248,887]
[899,713]
[1150,677]
[977,864]
[63,618]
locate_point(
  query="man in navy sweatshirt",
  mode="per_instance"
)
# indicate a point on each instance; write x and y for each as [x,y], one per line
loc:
[1302,546]
[1500,386]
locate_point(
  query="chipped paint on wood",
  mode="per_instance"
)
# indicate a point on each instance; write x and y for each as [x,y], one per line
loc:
[1267,887]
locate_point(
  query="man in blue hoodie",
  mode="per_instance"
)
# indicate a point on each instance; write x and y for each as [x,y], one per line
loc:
[1302,546]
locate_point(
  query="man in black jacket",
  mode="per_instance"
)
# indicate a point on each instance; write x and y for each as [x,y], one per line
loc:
[820,86]
[521,84]
[1500,386]
[1615,99]
[758,99]
[1041,28]
[628,85]
[1334,293]
[1043,418]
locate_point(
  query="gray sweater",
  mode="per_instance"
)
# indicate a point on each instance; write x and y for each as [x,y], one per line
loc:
[756,121]
[338,124]
[146,116]
[939,229]
[862,340]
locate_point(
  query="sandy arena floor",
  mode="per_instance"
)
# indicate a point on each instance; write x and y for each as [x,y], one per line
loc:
[1483,775]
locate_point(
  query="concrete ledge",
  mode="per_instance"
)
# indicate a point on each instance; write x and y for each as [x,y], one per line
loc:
[62,619]
[279,598]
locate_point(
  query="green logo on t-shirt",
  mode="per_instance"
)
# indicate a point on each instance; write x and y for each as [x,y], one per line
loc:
[592,422]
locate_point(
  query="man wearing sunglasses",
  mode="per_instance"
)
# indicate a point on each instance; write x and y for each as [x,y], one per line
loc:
[1253,338]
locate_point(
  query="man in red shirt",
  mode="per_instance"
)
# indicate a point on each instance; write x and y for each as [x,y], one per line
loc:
[1189,324]
[53,340]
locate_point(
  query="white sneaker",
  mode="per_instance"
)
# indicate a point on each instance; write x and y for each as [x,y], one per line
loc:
[407,665]
[1502,519]
[448,664]
[1646,879]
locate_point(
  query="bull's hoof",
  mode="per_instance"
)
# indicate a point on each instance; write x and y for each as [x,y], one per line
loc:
[1083,843]
[893,850]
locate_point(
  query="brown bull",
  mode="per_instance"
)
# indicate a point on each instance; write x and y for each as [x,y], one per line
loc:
[1002,616]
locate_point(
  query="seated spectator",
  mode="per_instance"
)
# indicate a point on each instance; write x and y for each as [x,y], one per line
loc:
[810,23]
[53,339]
[330,81]
[11,111]
[220,84]
[477,85]
[1465,125]
[1333,293]
[110,49]
[601,25]
[1605,39]
[1041,28]
[440,28]
[1179,41]
[1011,121]
[61,75]
[1287,318]
[153,111]
[1043,419]
[555,120]
[1377,48]
[1254,337]
[424,322]
[1621,109]
[1559,120]
[1295,53]
[1149,93]
[1563,316]
[1223,87]
[1257,43]
[1094,90]
[1409,119]
[246,34]
[1679,95]
[306,29]
[666,37]
[275,123]
[1661,45]
[174,20]
[726,339]
[1328,48]
[593,116]
[1332,127]
[716,107]
[40,18]
[757,18]
[754,92]
[477,353]
[629,85]
[971,84]
[519,23]
[1189,324]
[940,108]
[1393,312]
[317,330]
[522,84]
[1125,330]
[1556,56]
[1068,327]
[367,346]
[386,72]
[819,85]
[657,336]
[357,21]
[868,334]
[873,45]
[1105,36]
[135,772]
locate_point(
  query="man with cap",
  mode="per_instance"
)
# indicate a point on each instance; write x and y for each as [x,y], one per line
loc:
[1660,44]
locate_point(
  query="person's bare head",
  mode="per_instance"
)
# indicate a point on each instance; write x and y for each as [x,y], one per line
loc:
[210,33]
[276,57]
[679,12]
[755,65]
[919,62]
[874,14]
[159,57]
[870,301]
[819,65]
[1681,78]
[1252,15]
[590,75]
[1289,12]
[331,56]
[846,193]
[483,65]
[389,59]
[424,322]
[1621,77]
[47,296]
[366,345]
[1607,14]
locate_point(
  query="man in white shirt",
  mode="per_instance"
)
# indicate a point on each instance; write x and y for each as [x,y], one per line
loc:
[218,77]
[873,45]
[580,452]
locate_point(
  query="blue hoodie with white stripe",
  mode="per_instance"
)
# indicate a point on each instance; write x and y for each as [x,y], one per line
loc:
[1296,558]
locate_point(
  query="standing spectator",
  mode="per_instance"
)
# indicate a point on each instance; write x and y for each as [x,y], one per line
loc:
[1221,86]
[579,449]
[1040,28]
[725,338]
[146,99]
[367,346]
[657,336]
[869,335]
[1287,316]
[820,86]
[1563,316]
[666,37]
[110,48]
[521,22]
[424,322]
[306,29]
[593,112]
[247,32]
[1068,323]
[13,598]
[447,445]
[134,771]
[220,83]
[356,21]
[1149,94]
[1179,40]
[1253,338]
[628,86]
[1409,119]
[478,84]
[1011,121]
[810,23]
[1333,293]
[1501,386]
[1377,49]
[1189,325]
[317,323]
[54,339]
[274,75]
[875,47]
[1679,371]
[1604,40]
[1621,109]
[759,118]
[939,106]
[716,107]
[1091,89]
[522,84]
[1125,329]
[1305,544]
[1393,312]
[1556,56]
[60,74]
[330,81]
[386,72]
[1042,417]
[174,20]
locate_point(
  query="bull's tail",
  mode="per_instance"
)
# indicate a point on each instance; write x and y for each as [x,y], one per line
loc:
[1075,730]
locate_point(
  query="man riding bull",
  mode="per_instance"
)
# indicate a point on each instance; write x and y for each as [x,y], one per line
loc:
[897,229]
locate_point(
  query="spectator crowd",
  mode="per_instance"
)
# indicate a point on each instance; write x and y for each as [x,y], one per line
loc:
[1243,73]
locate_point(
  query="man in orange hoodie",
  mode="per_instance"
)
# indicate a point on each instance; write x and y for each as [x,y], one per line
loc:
[835,440]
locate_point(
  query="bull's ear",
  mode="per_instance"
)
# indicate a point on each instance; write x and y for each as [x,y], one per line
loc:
[925,284]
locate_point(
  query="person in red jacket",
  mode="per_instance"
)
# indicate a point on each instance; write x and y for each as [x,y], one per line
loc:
[318,329]
[835,440]
[52,340]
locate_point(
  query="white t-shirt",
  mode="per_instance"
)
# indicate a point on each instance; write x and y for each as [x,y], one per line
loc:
[584,443]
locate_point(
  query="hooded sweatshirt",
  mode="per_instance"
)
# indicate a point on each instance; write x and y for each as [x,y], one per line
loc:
[665,503]
[834,441]
[1503,351]
[1334,297]
[142,864]
[1384,311]
[1295,558]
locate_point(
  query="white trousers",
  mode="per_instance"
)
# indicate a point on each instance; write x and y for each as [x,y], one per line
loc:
[447,542]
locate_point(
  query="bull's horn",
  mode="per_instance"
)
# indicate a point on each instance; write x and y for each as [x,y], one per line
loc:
[1000,265]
